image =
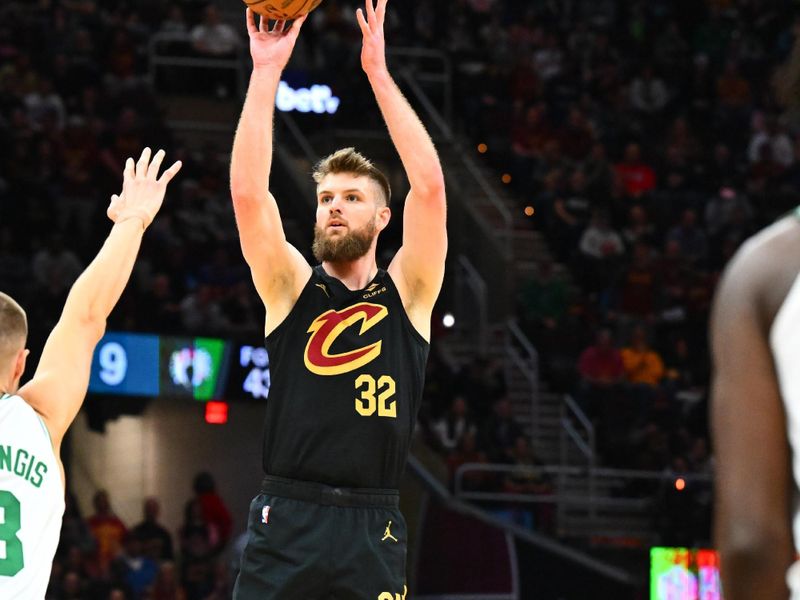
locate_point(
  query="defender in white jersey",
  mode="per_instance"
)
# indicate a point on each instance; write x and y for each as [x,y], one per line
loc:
[755,412]
[34,418]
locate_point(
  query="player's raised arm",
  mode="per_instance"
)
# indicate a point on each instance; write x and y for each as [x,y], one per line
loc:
[418,269]
[752,480]
[275,265]
[62,376]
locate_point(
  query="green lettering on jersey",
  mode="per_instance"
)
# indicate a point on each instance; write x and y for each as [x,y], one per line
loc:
[5,458]
[19,465]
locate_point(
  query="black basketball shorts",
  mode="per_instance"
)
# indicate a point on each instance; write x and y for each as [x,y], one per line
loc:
[308,541]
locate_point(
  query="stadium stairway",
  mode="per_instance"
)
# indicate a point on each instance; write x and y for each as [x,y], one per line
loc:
[596,513]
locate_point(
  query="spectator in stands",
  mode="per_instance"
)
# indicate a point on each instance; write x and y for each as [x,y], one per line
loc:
[639,228]
[213,37]
[156,540]
[481,383]
[438,387]
[158,306]
[166,585]
[108,532]
[55,266]
[638,284]
[530,134]
[725,210]
[549,57]
[542,303]
[771,131]
[637,177]
[467,451]
[691,238]
[577,137]
[500,432]
[649,93]
[678,175]
[601,248]
[454,425]
[601,370]
[198,541]
[201,312]
[214,510]
[133,569]
[74,530]
[174,21]
[529,478]
[571,214]
[644,370]
[242,309]
[45,106]
[733,90]
[598,172]
[72,586]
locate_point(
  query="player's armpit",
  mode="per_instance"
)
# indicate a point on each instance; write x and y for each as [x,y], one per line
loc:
[752,484]
[61,381]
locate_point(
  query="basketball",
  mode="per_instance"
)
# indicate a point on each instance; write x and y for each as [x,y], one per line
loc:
[282,9]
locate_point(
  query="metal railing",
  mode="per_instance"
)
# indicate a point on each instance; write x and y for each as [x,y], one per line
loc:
[471,302]
[545,542]
[444,125]
[641,506]
[158,59]
[521,355]
[443,77]
[573,418]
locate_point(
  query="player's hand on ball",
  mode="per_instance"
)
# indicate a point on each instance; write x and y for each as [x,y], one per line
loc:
[373,53]
[142,189]
[272,47]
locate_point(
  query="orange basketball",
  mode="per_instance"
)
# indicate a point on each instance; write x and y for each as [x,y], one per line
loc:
[282,9]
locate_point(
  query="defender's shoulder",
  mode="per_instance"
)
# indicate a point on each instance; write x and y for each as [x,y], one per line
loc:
[764,269]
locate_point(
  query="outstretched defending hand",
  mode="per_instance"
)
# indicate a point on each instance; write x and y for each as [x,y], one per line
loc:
[373,54]
[272,48]
[142,190]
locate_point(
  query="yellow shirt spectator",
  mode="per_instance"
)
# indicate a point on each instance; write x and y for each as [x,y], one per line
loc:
[642,365]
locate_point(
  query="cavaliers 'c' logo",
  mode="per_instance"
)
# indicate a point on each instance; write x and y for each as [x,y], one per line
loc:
[328,326]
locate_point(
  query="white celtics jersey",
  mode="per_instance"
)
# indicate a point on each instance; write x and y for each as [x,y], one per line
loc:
[31,501]
[785,343]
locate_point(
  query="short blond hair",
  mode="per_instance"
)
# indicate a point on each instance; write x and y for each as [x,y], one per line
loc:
[13,327]
[347,160]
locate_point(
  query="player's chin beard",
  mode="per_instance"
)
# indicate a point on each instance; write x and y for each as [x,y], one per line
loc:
[346,248]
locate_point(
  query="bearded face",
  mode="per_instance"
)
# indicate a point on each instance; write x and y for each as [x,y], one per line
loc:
[343,247]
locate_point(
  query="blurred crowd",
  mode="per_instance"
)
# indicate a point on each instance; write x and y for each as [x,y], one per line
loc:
[101,557]
[646,139]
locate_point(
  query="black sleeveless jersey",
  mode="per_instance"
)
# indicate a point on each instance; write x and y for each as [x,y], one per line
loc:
[347,370]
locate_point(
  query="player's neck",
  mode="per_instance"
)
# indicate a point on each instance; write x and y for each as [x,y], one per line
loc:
[356,274]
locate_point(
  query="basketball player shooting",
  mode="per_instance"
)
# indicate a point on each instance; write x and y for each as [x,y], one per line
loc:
[347,342]
[35,418]
[755,402]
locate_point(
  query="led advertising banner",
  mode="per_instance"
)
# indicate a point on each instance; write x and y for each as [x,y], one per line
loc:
[684,574]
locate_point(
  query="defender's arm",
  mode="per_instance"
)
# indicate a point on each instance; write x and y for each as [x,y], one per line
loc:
[752,483]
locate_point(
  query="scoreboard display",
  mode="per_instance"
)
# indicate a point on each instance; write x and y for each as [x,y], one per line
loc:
[202,369]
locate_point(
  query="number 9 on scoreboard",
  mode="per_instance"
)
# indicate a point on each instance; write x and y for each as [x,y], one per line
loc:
[125,364]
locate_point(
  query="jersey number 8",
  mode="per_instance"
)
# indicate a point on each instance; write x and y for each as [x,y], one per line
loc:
[13,562]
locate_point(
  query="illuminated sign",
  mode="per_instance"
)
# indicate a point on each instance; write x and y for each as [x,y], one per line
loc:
[127,364]
[684,574]
[317,99]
